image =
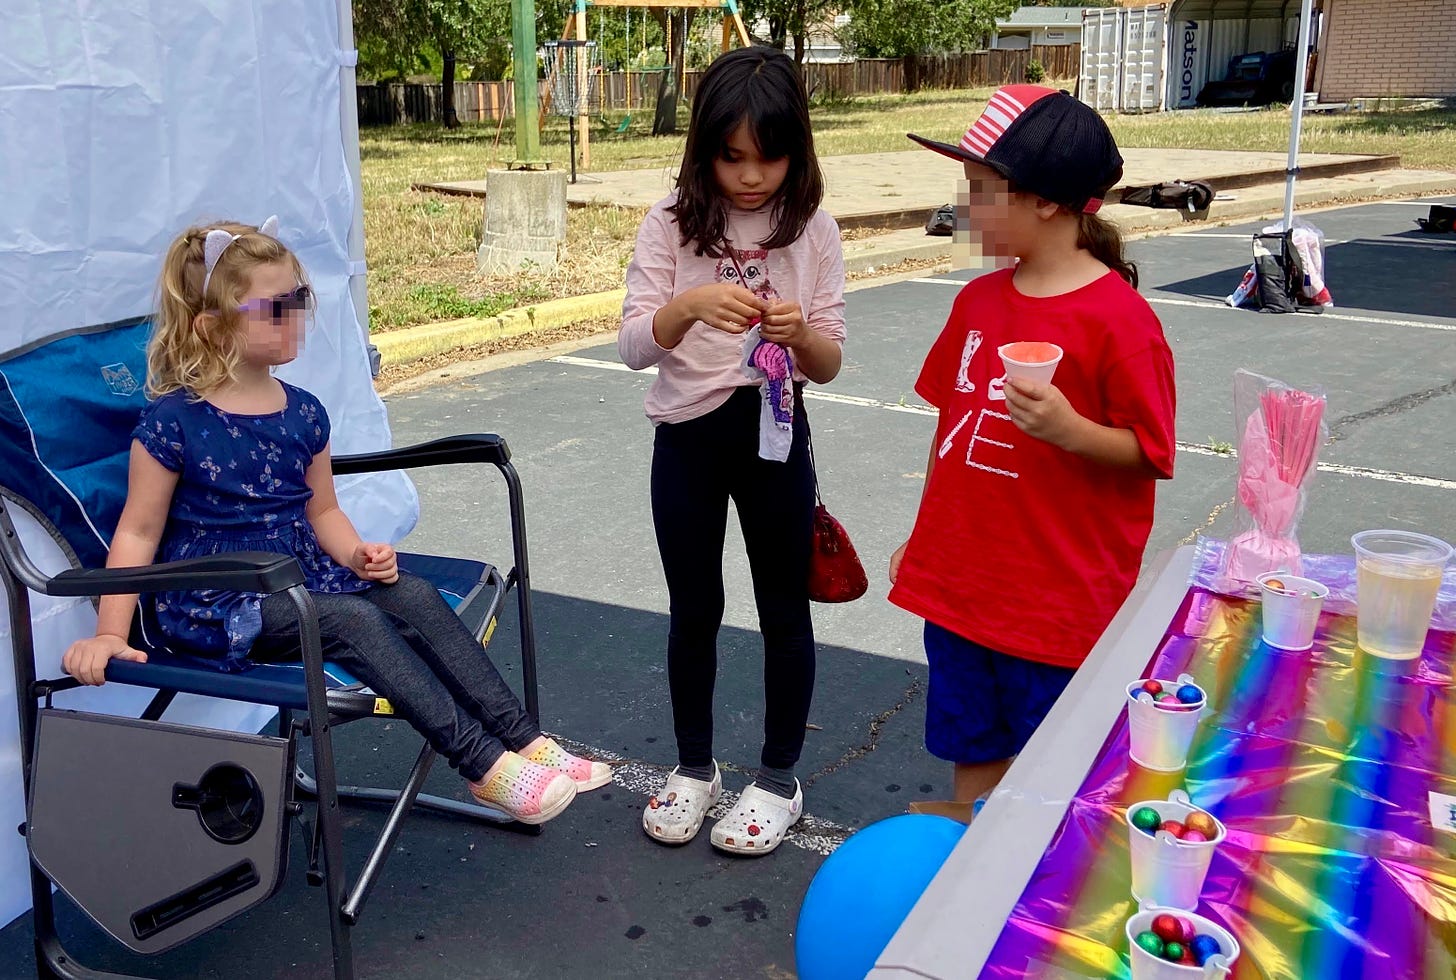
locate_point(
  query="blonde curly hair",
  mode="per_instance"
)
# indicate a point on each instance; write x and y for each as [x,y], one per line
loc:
[197,339]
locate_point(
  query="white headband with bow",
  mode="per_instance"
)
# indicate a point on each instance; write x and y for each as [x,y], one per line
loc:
[217,242]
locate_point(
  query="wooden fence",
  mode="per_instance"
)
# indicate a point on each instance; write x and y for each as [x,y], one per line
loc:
[630,91]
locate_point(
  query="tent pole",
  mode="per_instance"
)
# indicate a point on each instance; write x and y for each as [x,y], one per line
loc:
[349,130]
[1296,108]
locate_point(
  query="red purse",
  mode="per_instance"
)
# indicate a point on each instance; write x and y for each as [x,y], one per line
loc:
[835,572]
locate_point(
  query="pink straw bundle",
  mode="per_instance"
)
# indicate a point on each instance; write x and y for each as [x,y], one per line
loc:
[1292,419]
[1280,442]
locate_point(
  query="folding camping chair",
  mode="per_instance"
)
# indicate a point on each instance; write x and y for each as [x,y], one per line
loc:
[209,809]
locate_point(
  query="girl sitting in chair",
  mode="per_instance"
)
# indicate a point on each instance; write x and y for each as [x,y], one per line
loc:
[228,458]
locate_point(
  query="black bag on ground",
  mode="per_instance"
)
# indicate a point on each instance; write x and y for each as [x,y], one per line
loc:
[1192,196]
[1277,273]
[942,221]
[1441,219]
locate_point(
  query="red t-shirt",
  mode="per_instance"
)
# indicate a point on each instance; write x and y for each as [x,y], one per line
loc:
[1020,546]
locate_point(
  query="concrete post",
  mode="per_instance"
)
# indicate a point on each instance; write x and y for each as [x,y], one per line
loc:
[525,220]
[525,206]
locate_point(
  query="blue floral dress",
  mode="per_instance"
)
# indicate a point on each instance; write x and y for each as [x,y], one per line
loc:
[241,487]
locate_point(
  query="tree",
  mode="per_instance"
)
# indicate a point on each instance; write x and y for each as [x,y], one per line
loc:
[675,23]
[400,36]
[910,29]
[789,17]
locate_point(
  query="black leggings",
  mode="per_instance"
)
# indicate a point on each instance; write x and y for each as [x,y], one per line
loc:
[408,645]
[697,466]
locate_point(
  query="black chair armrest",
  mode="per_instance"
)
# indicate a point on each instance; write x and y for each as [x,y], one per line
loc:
[241,571]
[475,448]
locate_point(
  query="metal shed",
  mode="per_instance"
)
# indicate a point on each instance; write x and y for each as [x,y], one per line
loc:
[1204,34]
[1146,59]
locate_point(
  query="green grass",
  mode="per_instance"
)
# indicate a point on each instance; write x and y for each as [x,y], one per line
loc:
[421,246]
[1424,139]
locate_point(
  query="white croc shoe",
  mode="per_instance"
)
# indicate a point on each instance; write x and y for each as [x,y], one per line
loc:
[675,814]
[758,821]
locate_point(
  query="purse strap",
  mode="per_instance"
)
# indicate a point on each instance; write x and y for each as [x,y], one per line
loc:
[809,439]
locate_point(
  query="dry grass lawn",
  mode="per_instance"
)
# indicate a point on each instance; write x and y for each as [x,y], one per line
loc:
[421,246]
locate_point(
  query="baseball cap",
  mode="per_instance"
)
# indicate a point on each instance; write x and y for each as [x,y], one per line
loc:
[1043,141]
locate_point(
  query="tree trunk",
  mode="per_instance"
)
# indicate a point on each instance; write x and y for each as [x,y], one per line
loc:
[669,90]
[447,90]
[801,31]
[912,72]
[778,32]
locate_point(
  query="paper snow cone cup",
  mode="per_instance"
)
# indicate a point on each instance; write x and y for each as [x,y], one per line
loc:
[1167,871]
[1159,737]
[1030,360]
[1147,965]
[1292,607]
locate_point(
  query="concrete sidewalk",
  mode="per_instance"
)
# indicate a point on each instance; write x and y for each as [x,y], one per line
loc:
[897,190]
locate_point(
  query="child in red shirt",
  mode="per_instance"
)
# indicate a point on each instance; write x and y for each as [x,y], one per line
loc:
[1038,497]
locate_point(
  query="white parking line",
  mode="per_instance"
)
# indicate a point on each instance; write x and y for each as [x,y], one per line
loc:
[1435,245]
[1327,315]
[911,408]
[811,394]
[1364,472]
[1224,235]
[1206,304]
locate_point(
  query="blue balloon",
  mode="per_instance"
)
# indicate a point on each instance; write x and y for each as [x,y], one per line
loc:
[865,889]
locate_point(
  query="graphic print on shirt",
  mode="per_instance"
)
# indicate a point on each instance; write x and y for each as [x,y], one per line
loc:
[995,392]
[963,379]
[768,357]
[754,262]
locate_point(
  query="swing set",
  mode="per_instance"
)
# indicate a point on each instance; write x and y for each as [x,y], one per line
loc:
[576,29]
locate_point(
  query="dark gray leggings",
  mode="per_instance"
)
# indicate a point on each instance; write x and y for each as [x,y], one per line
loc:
[408,645]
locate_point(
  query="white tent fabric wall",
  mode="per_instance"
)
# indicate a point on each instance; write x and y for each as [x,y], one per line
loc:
[123,123]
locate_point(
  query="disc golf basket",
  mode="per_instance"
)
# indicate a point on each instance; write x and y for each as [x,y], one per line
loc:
[573,79]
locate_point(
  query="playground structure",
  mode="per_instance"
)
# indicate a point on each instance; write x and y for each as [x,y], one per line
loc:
[576,29]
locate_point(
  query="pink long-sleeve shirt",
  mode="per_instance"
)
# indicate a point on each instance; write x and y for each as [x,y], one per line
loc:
[703,370]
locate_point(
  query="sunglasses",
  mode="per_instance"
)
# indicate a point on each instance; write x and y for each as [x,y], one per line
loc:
[278,307]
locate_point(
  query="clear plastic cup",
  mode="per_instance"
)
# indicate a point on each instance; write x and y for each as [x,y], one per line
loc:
[1159,738]
[1146,966]
[1397,579]
[1030,360]
[1165,870]
[1292,607]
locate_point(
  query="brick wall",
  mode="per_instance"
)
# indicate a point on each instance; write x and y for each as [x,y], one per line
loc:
[1372,49]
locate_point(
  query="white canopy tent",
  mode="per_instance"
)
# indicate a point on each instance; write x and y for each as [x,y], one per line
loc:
[122,123]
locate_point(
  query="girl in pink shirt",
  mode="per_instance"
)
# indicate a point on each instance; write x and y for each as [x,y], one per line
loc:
[736,294]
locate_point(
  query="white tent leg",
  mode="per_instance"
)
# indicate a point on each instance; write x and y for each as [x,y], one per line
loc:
[1296,108]
[349,129]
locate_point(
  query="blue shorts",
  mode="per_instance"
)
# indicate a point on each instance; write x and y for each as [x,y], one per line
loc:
[983,705]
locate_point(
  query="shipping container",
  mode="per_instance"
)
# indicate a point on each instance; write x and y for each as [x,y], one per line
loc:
[1123,58]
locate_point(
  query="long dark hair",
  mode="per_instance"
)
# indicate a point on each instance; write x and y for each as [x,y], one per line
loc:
[760,86]
[1104,241]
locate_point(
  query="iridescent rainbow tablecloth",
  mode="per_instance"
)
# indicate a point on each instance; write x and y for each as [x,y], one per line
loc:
[1322,764]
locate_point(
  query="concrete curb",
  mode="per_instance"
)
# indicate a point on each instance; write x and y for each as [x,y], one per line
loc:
[414,343]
